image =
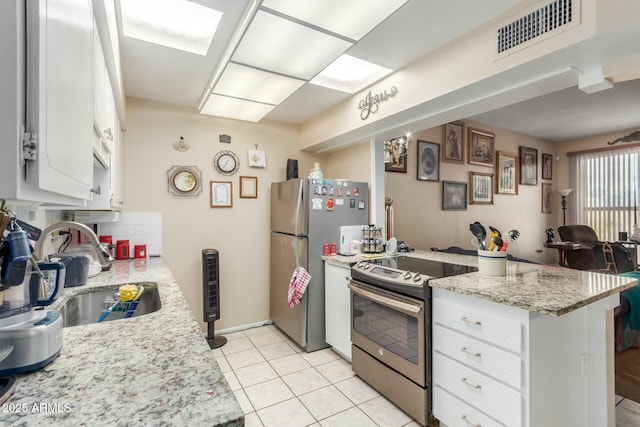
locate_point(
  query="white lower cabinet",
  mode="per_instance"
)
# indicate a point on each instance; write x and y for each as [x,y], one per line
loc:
[477,358]
[497,365]
[337,312]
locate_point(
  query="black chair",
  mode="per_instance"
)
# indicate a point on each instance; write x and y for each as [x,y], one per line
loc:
[613,256]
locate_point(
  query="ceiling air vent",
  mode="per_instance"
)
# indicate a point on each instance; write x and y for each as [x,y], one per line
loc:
[539,22]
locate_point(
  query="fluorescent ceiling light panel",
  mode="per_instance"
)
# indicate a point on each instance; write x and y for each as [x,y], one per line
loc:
[350,74]
[350,18]
[179,24]
[233,108]
[248,83]
[285,47]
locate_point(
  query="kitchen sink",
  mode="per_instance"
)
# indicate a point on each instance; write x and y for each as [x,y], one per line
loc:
[85,308]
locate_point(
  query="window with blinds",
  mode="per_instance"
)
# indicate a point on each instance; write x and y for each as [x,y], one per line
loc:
[606,191]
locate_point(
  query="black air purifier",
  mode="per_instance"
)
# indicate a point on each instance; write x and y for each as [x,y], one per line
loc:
[211,295]
[292,169]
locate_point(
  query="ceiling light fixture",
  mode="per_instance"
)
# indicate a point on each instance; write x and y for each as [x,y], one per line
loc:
[349,74]
[289,43]
[179,24]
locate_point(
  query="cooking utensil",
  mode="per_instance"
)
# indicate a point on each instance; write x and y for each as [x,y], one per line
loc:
[484,231]
[477,231]
[495,244]
[496,231]
[513,234]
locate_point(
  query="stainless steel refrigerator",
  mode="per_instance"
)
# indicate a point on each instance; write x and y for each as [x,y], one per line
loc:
[306,214]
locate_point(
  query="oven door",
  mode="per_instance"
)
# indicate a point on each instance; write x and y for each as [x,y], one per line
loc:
[391,328]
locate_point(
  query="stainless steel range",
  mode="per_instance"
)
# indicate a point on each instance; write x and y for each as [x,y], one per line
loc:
[391,328]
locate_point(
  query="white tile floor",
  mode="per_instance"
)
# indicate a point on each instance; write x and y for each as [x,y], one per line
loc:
[278,384]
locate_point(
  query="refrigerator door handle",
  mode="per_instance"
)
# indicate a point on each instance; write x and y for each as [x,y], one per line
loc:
[298,205]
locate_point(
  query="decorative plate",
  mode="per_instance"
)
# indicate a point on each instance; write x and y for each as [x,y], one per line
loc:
[184,180]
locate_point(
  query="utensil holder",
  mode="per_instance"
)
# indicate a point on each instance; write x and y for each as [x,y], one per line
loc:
[492,263]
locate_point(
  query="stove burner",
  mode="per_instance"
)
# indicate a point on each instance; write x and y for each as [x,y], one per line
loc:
[405,275]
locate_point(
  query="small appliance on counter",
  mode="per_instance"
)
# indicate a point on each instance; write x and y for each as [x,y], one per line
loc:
[76,267]
[30,338]
[350,237]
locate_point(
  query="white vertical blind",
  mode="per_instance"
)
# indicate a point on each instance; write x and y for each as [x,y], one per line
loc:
[606,191]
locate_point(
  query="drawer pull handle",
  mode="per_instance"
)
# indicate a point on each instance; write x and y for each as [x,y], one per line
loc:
[471,423]
[464,350]
[476,386]
[472,322]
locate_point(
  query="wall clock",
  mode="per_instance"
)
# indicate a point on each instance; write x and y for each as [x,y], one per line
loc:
[226,162]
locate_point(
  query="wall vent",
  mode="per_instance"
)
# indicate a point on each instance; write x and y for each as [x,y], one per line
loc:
[553,16]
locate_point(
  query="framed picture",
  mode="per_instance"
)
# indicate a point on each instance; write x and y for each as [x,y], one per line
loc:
[257,158]
[546,198]
[547,166]
[397,164]
[220,193]
[482,148]
[453,150]
[481,188]
[454,196]
[249,187]
[507,170]
[428,161]
[528,166]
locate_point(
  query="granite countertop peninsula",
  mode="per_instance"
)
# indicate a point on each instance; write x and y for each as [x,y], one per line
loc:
[538,288]
[152,370]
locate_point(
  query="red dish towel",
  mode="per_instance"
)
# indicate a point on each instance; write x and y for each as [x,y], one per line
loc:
[298,284]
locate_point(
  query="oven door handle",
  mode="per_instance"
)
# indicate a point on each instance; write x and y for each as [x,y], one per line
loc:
[386,301]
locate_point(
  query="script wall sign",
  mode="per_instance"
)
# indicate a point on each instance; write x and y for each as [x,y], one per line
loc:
[370,103]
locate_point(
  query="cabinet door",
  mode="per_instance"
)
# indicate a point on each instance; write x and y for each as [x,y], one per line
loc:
[337,315]
[60,95]
[117,168]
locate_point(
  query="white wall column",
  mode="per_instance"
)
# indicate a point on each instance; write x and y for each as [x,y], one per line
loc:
[376,203]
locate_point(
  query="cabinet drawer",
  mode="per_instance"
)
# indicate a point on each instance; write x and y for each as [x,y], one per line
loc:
[494,328]
[478,390]
[455,413]
[485,358]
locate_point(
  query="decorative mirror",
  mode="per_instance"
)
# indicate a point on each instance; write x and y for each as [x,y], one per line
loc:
[184,180]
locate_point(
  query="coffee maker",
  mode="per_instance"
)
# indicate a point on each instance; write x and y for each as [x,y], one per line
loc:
[30,335]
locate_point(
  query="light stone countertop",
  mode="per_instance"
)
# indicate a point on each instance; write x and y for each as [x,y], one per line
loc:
[152,370]
[537,288]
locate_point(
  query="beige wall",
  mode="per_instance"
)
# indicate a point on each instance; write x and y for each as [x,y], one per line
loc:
[421,222]
[240,233]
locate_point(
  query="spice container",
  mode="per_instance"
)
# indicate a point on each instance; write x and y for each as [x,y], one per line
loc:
[371,241]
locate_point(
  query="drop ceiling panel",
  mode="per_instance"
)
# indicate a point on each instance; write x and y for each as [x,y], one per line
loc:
[352,18]
[276,44]
[257,85]
[233,108]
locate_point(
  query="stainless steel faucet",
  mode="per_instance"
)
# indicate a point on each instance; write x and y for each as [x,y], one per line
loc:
[104,257]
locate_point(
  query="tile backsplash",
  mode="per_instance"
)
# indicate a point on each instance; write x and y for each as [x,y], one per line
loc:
[140,228]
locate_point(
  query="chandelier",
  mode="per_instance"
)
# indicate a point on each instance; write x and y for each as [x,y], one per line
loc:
[396,148]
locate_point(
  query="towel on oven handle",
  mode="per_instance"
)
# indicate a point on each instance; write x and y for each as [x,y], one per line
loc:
[298,284]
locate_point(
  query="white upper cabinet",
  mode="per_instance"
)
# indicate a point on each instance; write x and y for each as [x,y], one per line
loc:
[60,95]
[47,54]
[107,139]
